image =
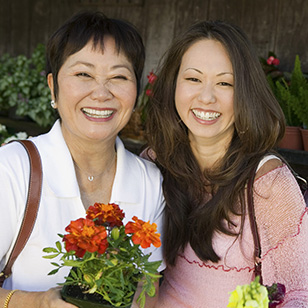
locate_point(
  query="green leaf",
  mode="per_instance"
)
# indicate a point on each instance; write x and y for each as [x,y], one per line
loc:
[55,264]
[53,272]
[51,256]
[50,250]
[59,246]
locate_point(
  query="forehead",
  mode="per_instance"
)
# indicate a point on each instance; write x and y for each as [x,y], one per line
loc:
[107,49]
[207,52]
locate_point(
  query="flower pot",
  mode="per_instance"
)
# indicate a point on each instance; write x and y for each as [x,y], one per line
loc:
[74,295]
[304,133]
[292,139]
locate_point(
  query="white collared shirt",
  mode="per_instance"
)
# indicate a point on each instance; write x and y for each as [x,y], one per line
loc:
[136,189]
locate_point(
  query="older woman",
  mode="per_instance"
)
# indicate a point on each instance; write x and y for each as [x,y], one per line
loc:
[94,68]
[214,121]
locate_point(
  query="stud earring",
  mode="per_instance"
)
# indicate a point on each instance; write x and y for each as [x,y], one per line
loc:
[53,104]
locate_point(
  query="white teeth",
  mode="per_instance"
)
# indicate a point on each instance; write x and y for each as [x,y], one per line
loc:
[206,116]
[94,113]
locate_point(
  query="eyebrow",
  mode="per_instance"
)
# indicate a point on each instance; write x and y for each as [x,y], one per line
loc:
[91,65]
[220,74]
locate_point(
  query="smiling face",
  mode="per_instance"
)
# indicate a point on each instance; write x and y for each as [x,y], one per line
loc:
[204,92]
[97,93]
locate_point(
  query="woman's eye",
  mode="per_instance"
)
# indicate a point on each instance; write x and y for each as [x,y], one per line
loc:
[193,79]
[83,75]
[120,77]
[225,84]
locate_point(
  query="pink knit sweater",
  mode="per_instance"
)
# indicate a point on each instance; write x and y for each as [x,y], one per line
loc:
[283,229]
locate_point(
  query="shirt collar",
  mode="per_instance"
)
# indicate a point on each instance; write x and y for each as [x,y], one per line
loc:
[58,166]
[125,189]
[59,170]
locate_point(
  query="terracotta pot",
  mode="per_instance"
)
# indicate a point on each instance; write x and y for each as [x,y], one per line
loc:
[292,139]
[73,295]
[304,133]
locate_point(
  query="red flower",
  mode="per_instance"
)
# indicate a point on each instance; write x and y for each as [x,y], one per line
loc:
[151,77]
[106,214]
[272,61]
[148,92]
[144,233]
[85,236]
[276,61]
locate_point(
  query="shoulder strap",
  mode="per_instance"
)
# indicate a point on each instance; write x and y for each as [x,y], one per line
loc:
[253,226]
[33,201]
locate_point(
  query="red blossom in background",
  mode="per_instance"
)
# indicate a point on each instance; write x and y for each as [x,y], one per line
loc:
[85,236]
[144,233]
[106,214]
[272,61]
[148,92]
[151,77]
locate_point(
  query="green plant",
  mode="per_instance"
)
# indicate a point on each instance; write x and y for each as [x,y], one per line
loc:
[23,86]
[291,91]
[105,255]
[298,91]
[6,136]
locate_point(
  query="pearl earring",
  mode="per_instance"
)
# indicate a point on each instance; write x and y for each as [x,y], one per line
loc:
[53,104]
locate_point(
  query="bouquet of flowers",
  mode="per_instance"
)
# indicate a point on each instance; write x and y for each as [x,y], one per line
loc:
[255,295]
[105,256]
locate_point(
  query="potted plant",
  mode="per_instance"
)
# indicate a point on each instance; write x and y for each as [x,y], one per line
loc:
[298,90]
[105,259]
[291,93]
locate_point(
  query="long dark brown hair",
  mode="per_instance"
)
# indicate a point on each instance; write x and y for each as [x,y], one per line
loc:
[259,125]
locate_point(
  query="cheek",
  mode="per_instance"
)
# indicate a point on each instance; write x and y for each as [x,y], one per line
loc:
[182,100]
[129,97]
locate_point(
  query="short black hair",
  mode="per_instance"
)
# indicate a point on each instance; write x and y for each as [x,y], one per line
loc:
[77,31]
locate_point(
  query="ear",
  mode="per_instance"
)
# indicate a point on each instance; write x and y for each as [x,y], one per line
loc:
[51,85]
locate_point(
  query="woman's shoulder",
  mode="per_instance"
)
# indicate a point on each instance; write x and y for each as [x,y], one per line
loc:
[275,183]
[13,154]
[268,164]
[139,165]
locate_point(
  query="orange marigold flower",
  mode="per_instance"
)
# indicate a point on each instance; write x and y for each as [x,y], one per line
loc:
[84,236]
[106,214]
[144,233]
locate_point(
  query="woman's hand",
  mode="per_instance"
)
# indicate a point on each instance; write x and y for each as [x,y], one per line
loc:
[49,299]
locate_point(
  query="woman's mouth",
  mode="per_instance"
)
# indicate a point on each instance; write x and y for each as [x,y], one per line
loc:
[99,114]
[206,116]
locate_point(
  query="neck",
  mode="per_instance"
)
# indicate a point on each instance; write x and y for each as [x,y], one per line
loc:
[208,154]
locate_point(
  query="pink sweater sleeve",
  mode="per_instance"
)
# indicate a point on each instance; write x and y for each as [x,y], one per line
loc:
[282,220]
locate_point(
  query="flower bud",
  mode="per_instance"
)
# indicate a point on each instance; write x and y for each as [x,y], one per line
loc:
[115,233]
[87,278]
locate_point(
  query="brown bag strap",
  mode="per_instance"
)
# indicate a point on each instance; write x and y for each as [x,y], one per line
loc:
[253,226]
[32,205]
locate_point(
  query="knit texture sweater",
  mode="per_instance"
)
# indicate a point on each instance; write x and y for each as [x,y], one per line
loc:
[282,222]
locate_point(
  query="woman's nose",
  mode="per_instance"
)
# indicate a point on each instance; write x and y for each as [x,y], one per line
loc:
[207,94]
[101,92]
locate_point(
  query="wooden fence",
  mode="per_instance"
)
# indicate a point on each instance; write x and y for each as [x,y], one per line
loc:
[272,25]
